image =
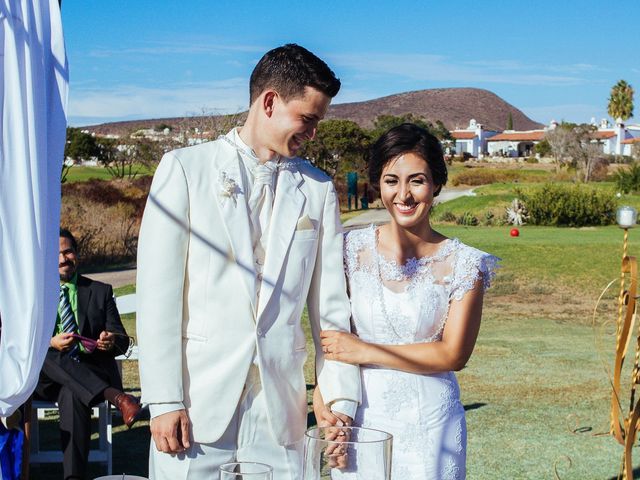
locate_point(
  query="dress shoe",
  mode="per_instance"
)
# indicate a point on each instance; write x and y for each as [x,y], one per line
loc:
[129,407]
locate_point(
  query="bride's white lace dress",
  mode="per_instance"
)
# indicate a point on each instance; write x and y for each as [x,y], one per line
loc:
[402,304]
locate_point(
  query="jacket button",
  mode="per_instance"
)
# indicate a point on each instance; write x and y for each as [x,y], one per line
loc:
[259,331]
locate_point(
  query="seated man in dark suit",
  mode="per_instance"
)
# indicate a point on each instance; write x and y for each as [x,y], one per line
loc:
[80,376]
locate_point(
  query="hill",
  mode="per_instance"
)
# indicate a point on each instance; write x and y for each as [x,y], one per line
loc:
[453,106]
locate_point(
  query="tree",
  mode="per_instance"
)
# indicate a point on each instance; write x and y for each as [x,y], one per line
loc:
[160,127]
[207,125]
[621,101]
[339,146]
[383,123]
[127,157]
[80,145]
[573,145]
[542,148]
[561,140]
[585,152]
[510,122]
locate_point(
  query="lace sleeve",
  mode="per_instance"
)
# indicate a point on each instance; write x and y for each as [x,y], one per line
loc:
[469,266]
[354,242]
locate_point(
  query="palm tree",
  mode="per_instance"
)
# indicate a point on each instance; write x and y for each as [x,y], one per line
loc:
[621,101]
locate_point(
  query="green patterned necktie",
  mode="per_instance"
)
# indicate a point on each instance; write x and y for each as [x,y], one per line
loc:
[67,320]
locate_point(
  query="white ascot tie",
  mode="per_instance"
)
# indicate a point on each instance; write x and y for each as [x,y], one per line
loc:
[261,205]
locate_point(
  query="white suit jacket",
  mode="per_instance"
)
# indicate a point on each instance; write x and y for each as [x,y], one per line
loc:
[198,323]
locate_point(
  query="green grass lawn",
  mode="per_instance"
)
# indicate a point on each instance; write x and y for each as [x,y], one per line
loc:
[79,173]
[536,389]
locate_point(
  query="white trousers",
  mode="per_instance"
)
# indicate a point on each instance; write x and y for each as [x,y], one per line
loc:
[247,438]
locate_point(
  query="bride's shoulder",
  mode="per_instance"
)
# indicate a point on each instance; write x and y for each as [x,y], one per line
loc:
[359,237]
[472,261]
[358,240]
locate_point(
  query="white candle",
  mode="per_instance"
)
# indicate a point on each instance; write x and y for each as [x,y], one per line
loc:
[626,217]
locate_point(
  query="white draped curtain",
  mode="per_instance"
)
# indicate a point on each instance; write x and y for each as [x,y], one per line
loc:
[33,100]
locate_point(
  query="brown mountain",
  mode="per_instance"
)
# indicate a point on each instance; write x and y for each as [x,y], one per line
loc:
[453,106]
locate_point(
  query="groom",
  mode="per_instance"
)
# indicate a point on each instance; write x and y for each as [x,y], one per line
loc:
[237,234]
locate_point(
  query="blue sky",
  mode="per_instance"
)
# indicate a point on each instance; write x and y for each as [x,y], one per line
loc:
[151,59]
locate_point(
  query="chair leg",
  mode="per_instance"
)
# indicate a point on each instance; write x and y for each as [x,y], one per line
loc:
[27,439]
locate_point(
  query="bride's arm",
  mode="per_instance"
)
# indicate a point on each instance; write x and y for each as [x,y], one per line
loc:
[450,353]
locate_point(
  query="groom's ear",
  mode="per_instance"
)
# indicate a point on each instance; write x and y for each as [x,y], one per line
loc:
[268,102]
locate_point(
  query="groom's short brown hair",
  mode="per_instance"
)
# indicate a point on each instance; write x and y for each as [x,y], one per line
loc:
[288,70]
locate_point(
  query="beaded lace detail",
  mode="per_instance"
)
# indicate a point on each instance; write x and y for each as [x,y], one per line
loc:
[429,283]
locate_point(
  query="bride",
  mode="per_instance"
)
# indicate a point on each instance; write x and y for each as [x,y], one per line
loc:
[416,300]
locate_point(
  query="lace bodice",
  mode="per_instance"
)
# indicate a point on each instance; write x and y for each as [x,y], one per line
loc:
[399,304]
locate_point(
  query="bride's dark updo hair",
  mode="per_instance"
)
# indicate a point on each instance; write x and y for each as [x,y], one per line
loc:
[408,138]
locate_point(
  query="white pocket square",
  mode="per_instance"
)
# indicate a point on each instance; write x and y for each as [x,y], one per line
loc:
[305,223]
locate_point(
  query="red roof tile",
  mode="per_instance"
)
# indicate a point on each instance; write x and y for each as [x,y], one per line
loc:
[463,135]
[632,140]
[518,136]
[602,135]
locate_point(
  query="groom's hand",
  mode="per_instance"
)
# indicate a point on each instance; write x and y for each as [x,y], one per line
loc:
[324,416]
[336,451]
[170,431]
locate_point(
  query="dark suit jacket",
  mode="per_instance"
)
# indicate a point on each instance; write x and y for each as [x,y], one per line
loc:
[97,312]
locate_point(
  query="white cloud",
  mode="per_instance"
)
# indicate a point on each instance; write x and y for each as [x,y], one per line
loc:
[127,101]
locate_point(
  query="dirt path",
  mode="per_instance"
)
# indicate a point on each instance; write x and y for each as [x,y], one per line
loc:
[115,278]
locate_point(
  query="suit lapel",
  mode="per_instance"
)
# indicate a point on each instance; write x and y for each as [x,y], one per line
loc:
[233,209]
[287,207]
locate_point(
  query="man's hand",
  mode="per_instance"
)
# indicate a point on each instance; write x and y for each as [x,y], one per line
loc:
[106,341]
[62,341]
[326,417]
[336,451]
[343,347]
[170,431]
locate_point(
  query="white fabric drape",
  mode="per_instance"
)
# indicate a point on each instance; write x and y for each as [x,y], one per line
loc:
[33,99]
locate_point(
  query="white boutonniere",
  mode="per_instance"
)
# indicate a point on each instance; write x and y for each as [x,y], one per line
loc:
[228,187]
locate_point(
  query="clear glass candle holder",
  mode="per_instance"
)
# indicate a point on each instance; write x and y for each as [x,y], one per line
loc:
[246,471]
[347,453]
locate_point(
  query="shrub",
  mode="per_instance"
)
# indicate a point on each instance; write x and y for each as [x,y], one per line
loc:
[446,216]
[486,176]
[517,213]
[543,148]
[105,218]
[489,218]
[569,205]
[628,179]
[463,157]
[478,177]
[531,160]
[600,171]
[468,219]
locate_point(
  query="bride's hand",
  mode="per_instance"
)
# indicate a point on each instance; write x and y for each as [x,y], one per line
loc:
[343,347]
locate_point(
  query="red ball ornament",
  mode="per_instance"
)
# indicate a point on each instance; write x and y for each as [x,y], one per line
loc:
[514,232]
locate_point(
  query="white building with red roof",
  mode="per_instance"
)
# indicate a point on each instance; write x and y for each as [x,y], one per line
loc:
[472,140]
[618,139]
[512,143]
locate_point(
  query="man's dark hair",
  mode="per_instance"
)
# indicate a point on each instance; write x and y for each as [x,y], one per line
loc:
[64,233]
[408,138]
[288,70]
